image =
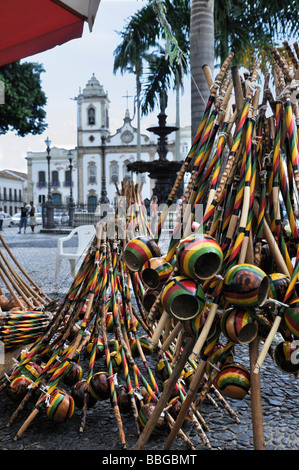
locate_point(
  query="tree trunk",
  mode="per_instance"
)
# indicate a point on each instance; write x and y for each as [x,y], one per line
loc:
[177,119]
[201,53]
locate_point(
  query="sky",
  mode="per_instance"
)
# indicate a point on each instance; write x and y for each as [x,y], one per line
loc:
[69,67]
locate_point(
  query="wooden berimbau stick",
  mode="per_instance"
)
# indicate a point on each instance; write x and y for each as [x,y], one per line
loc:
[36,409]
[193,388]
[256,400]
[22,270]
[182,435]
[144,436]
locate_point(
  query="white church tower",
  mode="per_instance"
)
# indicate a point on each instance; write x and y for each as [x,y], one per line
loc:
[120,147]
[93,117]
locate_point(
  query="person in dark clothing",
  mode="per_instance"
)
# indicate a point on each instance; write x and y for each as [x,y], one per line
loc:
[24,218]
[2,217]
[32,216]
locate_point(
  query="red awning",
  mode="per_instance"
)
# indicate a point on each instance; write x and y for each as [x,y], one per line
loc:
[28,27]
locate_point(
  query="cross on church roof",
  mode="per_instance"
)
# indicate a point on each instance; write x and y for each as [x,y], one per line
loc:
[127,96]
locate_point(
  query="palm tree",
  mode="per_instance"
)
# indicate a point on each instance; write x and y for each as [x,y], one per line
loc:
[141,50]
[252,26]
[212,28]
[201,53]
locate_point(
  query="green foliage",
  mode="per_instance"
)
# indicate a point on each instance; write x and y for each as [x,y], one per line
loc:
[140,33]
[249,28]
[23,110]
[155,81]
[141,51]
[252,28]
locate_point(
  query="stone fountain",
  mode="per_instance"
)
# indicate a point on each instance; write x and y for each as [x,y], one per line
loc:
[161,170]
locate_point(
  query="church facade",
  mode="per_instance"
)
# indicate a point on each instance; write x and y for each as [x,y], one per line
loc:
[100,158]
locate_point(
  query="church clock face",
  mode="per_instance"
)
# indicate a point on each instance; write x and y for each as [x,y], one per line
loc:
[127,137]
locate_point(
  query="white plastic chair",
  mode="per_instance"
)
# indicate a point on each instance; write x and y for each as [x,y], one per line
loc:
[85,234]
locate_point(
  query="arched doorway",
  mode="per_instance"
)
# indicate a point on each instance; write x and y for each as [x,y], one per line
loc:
[56,198]
[92,203]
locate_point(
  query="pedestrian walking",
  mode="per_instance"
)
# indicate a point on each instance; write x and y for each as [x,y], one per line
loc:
[24,218]
[2,217]
[32,218]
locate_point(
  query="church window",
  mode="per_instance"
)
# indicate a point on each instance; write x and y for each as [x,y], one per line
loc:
[114,172]
[41,179]
[55,178]
[92,174]
[91,116]
[67,178]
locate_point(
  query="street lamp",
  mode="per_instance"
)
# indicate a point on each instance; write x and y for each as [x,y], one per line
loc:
[48,143]
[71,200]
[103,199]
[48,208]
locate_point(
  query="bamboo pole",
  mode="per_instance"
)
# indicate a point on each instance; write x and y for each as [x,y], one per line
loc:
[22,269]
[196,140]
[193,388]
[108,361]
[124,346]
[181,434]
[15,285]
[272,243]
[57,375]
[26,288]
[144,436]
[256,399]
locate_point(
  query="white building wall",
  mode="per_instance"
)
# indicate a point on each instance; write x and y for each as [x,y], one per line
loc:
[86,142]
[60,163]
[12,194]
[91,187]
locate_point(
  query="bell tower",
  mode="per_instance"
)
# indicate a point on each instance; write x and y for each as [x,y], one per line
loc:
[92,115]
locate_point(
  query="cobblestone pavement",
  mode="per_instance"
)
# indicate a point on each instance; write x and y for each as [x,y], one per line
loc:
[36,253]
